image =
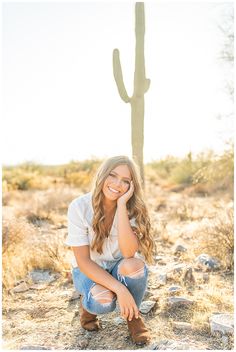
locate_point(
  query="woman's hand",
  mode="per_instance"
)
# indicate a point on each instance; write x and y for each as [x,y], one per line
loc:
[128,307]
[127,195]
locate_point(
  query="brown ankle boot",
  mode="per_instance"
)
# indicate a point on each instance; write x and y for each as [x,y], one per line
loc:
[88,321]
[138,331]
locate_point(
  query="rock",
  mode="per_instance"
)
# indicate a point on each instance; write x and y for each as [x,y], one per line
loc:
[75,295]
[172,345]
[205,278]
[205,262]
[182,325]
[148,293]
[147,306]
[83,343]
[180,249]
[174,289]
[153,269]
[22,287]
[223,323]
[39,276]
[178,268]
[179,301]
[189,278]
[162,279]
[154,298]
[38,286]
[152,346]
[35,348]
[118,321]
[158,257]
[225,340]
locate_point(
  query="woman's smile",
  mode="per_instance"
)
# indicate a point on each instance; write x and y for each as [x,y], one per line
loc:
[113,190]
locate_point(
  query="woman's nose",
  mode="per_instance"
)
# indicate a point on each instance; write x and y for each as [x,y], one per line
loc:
[118,182]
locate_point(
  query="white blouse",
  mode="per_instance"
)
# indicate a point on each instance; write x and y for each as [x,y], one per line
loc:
[80,232]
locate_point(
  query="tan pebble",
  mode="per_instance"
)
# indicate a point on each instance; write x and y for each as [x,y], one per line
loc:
[21,288]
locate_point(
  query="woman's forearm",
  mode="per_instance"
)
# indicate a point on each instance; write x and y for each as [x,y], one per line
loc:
[97,274]
[127,240]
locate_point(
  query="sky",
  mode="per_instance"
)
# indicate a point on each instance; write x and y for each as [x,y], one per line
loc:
[60,100]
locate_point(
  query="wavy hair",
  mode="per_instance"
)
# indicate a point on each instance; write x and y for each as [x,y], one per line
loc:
[136,207]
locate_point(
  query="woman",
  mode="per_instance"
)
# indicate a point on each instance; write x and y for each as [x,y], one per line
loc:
[106,229]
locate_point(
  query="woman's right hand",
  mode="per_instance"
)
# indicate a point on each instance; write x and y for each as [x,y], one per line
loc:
[128,307]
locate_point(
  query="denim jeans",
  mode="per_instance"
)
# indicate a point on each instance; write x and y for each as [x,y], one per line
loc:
[83,284]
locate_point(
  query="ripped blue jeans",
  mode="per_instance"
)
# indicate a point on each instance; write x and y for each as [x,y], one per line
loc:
[135,285]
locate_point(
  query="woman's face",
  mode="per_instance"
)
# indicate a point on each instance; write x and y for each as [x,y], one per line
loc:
[117,183]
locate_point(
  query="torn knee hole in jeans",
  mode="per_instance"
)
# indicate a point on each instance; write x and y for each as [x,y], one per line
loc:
[103,297]
[135,274]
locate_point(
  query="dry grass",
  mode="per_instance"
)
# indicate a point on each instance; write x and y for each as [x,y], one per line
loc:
[216,238]
[26,248]
[50,205]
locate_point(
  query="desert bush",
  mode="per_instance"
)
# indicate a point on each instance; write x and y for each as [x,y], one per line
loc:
[80,174]
[20,179]
[163,167]
[26,248]
[180,171]
[219,172]
[206,171]
[33,176]
[216,238]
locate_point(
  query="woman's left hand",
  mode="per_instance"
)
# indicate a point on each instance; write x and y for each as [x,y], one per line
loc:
[127,195]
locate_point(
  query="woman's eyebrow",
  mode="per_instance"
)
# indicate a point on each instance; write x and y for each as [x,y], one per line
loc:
[127,178]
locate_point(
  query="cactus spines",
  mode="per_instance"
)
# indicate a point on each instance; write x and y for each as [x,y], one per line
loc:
[141,86]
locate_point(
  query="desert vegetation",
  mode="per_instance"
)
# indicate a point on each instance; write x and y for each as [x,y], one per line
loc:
[191,207]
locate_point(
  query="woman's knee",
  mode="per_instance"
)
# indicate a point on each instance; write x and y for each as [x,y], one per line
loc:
[132,267]
[102,295]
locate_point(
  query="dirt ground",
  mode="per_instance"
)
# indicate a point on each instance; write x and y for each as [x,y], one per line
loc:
[46,315]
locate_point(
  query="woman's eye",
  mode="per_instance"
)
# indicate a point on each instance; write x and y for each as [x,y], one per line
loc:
[127,182]
[112,175]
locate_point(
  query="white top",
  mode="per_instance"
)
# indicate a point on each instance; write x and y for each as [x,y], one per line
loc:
[80,232]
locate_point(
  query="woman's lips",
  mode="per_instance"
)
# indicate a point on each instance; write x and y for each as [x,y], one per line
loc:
[114,191]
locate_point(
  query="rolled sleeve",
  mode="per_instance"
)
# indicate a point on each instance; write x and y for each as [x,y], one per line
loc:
[77,231]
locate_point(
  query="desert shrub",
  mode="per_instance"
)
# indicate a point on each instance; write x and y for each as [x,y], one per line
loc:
[216,238]
[15,233]
[20,179]
[179,171]
[219,172]
[213,172]
[163,167]
[80,174]
[25,248]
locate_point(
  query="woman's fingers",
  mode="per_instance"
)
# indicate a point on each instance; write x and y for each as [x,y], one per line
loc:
[136,312]
[131,313]
[122,311]
[125,313]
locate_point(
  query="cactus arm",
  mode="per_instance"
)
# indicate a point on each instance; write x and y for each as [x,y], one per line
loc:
[117,72]
[147,84]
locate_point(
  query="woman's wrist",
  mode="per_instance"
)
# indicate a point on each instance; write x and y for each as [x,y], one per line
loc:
[121,203]
[119,288]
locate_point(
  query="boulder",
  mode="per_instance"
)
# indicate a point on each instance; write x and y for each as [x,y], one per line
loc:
[223,323]
[147,306]
[179,301]
[206,262]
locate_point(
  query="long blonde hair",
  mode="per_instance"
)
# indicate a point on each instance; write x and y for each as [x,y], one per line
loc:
[135,206]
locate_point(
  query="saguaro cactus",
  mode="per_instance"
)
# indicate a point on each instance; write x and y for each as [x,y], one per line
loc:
[141,85]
